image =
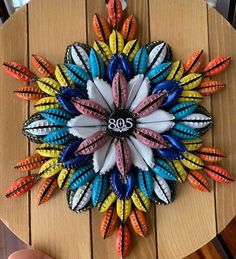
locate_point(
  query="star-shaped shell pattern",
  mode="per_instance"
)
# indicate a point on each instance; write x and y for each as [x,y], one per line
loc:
[118,124]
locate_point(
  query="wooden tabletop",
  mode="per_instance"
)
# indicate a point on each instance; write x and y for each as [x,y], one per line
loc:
[46,28]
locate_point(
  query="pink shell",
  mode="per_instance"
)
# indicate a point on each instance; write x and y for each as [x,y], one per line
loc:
[150,138]
[93,143]
[123,156]
[149,105]
[119,90]
[90,108]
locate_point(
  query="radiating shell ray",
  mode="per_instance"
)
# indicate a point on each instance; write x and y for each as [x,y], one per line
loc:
[129,28]
[197,120]
[193,144]
[190,96]
[163,169]
[123,209]
[138,222]
[210,154]
[62,76]
[43,66]
[208,87]
[191,81]
[64,177]
[107,201]
[179,170]
[145,182]
[194,62]
[49,86]
[99,189]
[97,66]
[216,66]
[47,189]
[162,189]
[103,50]
[182,110]
[198,181]
[176,71]
[218,174]
[70,198]
[82,196]
[47,150]
[56,116]
[123,156]
[115,13]
[123,240]
[192,161]
[73,74]
[116,42]
[101,27]
[29,93]
[157,55]
[130,49]
[46,103]
[140,201]
[50,168]
[119,90]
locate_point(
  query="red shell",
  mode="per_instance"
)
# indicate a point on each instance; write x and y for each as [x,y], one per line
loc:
[194,62]
[115,13]
[216,66]
[21,186]
[198,181]
[210,154]
[29,93]
[218,174]
[30,163]
[210,87]
[109,222]
[119,90]
[46,189]
[101,27]
[43,66]
[129,28]
[123,240]
[138,222]
[18,71]
[123,156]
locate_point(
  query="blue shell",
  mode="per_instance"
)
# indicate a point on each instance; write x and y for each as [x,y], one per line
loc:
[112,67]
[162,169]
[140,62]
[159,73]
[175,142]
[58,137]
[125,66]
[77,74]
[173,88]
[145,182]
[81,176]
[184,132]
[182,110]
[56,116]
[122,186]
[99,189]
[169,154]
[97,65]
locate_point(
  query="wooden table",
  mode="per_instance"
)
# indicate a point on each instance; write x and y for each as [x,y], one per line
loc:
[46,28]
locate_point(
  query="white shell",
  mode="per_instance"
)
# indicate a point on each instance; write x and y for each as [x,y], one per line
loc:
[162,189]
[133,87]
[82,196]
[75,49]
[34,127]
[197,120]
[156,51]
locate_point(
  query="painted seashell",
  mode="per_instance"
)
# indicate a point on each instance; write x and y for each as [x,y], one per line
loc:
[43,66]
[109,222]
[169,153]
[152,45]
[47,150]
[19,71]
[76,74]
[97,65]
[138,222]
[112,67]
[216,66]
[99,189]
[103,50]
[190,96]
[210,154]
[156,55]
[115,13]
[192,161]
[159,73]
[107,201]
[182,131]
[140,61]
[210,87]
[123,240]
[50,168]
[47,189]
[197,120]
[198,181]
[179,170]
[125,66]
[30,163]
[49,86]
[175,143]
[101,27]
[116,42]
[145,182]
[162,189]
[119,90]
[192,144]
[161,168]
[129,28]
[56,116]
[122,186]
[63,179]
[130,49]
[58,137]
[182,110]
[201,110]
[123,156]
[70,198]
[21,186]
[29,93]
[218,174]
[62,76]
[140,201]
[194,62]
[176,71]
[46,103]
[123,209]
[191,81]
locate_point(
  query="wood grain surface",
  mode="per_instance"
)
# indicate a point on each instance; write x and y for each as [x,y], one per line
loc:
[46,28]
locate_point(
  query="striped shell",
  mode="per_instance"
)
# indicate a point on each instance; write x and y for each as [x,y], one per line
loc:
[101,27]
[30,163]
[129,28]
[43,66]
[194,62]
[198,181]
[218,174]
[47,189]
[123,240]
[138,222]
[216,66]
[29,93]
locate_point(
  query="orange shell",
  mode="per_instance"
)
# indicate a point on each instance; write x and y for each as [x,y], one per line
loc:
[115,13]
[198,181]
[30,163]
[216,66]
[129,28]
[29,93]
[46,190]
[210,87]
[138,222]
[109,222]
[101,27]
[210,154]
[42,65]
[123,240]
[218,174]
[194,62]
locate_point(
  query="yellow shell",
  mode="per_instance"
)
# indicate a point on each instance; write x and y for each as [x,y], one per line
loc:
[63,179]
[105,204]
[140,201]
[179,170]
[193,144]
[130,49]
[46,103]
[50,168]
[62,76]
[116,42]
[48,150]
[191,81]
[103,50]
[191,161]
[48,85]
[123,209]
[190,96]
[176,71]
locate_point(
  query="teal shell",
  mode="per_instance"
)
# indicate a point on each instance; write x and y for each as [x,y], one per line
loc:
[140,62]
[77,74]
[58,137]
[159,73]
[145,182]
[56,116]
[184,132]
[162,169]
[182,110]
[96,64]
[99,189]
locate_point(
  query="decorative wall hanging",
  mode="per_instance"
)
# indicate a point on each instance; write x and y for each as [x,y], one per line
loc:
[118,125]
